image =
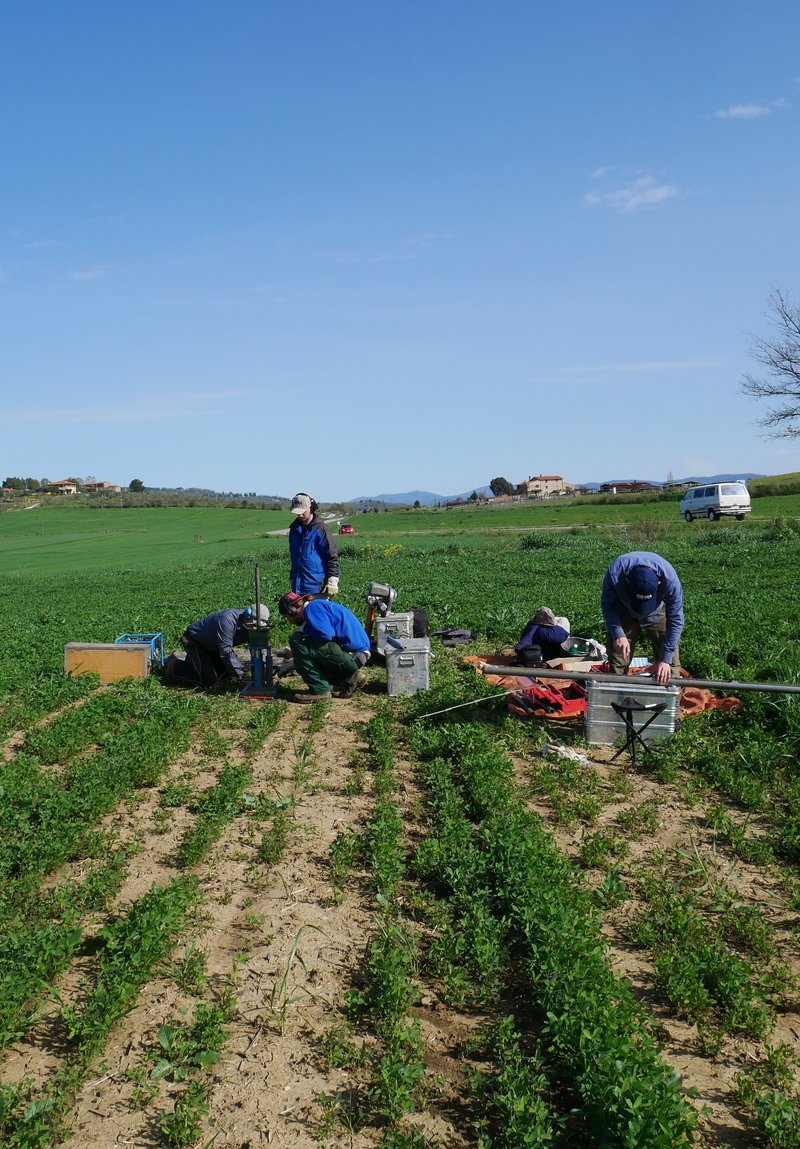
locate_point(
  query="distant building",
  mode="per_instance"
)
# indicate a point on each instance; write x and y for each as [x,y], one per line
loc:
[544,487]
[102,488]
[62,487]
[624,488]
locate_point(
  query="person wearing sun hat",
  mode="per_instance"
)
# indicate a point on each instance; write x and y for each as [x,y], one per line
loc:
[542,637]
[642,594]
[313,552]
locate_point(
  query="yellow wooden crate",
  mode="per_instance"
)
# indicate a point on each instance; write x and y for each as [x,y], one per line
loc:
[110,660]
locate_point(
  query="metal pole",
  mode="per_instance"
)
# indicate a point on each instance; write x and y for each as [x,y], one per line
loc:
[631,679]
[258,597]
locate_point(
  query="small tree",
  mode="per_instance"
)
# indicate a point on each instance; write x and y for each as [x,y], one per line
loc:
[779,354]
[136,485]
[501,486]
[473,497]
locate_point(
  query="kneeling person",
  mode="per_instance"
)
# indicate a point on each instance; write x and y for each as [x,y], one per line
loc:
[329,647]
[211,661]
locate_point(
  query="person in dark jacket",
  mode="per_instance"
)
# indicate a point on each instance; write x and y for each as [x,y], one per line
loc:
[330,646]
[542,638]
[312,550]
[210,658]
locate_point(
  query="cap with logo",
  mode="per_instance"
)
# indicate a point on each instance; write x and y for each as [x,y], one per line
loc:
[643,585]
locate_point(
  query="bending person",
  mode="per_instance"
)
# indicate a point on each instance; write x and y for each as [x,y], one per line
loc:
[209,644]
[642,594]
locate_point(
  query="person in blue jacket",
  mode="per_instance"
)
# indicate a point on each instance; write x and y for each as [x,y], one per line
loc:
[330,646]
[312,550]
[210,658]
[542,638]
[642,594]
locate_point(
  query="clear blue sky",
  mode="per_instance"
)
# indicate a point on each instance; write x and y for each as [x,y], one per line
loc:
[363,247]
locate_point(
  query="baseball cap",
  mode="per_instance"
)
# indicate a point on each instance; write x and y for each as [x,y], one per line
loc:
[301,502]
[259,614]
[643,585]
[288,603]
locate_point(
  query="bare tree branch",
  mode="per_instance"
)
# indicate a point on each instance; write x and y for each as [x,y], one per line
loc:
[779,355]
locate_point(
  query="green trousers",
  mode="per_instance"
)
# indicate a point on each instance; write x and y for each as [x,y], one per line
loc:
[321,663]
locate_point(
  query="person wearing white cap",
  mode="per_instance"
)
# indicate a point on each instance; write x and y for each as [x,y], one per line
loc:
[210,658]
[312,550]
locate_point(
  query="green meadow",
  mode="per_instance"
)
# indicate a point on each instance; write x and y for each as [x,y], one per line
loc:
[72,537]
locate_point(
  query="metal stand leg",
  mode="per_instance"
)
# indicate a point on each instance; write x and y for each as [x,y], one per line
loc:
[626,708]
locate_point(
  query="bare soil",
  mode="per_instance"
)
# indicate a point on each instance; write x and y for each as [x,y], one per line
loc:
[289,949]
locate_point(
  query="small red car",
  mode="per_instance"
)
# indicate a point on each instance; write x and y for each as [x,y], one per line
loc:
[346,529]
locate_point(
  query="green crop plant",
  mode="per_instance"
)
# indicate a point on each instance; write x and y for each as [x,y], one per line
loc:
[188,969]
[183,1126]
[274,840]
[215,809]
[514,1095]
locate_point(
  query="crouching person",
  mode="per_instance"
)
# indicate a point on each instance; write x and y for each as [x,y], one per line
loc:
[329,646]
[211,661]
[542,638]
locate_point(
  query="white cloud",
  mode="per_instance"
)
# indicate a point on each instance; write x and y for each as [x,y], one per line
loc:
[743,112]
[644,191]
[654,365]
[751,111]
[90,273]
[178,406]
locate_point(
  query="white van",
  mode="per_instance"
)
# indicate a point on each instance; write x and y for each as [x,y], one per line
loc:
[715,500]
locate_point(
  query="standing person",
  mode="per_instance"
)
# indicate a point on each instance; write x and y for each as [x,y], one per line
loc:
[329,646]
[210,658]
[642,593]
[542,637]
[312,550]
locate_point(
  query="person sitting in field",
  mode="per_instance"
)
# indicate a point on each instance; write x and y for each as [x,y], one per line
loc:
[542,638]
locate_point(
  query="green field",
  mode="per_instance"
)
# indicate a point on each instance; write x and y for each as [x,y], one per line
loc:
[73,538]
[495,887]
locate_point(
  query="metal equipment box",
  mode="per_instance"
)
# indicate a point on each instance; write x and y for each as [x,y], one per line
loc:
[604,726]
[408,665]
[399,625]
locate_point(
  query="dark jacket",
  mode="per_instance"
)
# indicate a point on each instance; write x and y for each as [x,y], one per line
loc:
[314,555]
[548,638]
[218,633]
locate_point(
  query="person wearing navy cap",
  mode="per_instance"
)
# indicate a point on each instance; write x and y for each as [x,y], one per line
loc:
[642,594]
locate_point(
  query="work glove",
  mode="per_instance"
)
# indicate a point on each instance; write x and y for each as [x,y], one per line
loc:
[331,586]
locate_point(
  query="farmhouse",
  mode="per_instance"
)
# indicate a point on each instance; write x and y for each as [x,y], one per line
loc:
[101,488]
[544,487]
[61,487]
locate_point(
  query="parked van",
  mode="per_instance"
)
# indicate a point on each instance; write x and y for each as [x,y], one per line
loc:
[715,500]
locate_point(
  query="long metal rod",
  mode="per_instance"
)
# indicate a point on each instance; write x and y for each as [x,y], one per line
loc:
[258,597]
[631,679]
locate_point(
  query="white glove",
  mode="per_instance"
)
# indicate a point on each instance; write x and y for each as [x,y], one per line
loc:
[331,586]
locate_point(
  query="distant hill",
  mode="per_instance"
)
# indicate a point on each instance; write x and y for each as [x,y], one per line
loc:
[426,498]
